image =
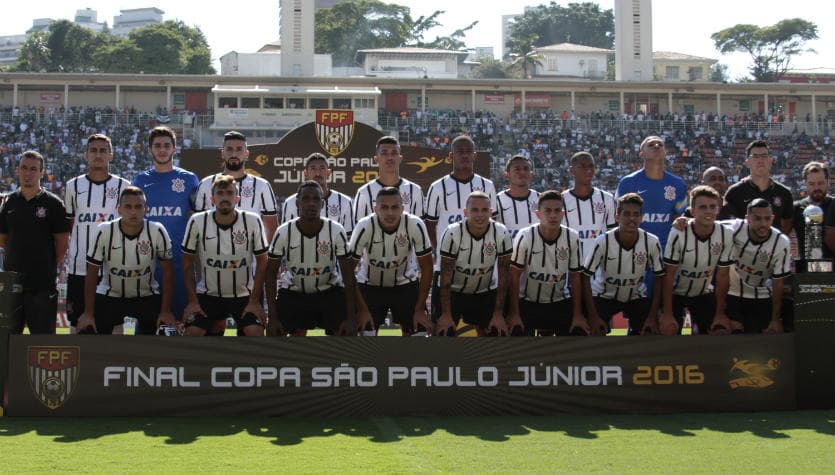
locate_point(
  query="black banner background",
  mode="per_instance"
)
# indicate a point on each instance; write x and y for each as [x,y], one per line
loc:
[762,368]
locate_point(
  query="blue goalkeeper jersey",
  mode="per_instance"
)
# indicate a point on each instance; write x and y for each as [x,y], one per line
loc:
[663,200]
[170,199]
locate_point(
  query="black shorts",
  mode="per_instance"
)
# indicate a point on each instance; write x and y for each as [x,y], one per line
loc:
[554,317]
[401,300]
[298,311]
[221,308]
[38,312]
[753,314]
[111,312]
[75,297]
[635,311]
[702,310]
[475,309]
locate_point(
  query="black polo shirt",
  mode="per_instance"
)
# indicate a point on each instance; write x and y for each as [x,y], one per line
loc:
[30,227]
[743,192]
[800,223]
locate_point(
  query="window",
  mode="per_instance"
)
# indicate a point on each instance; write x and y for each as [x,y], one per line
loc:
[319,103]
[227,102]
[552,63]
[273,103]
[250,102]
[295,103]
[671,72]
[364,104]
[341,103]
[696,73]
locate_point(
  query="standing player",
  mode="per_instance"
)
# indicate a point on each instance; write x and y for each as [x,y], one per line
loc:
[388,159]
[314,250]
[546,256]
[126,251]
[623,256]
[33,233]
[588,210]
[256,194]
[760,185]
[386,244]
[170,193]
[337,206]
[90,199]
[518,203]
[692,257]
[763,260]
[475,255]
[227,243]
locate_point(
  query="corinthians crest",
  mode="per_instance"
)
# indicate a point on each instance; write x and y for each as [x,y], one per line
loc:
[53,373]
[334,129]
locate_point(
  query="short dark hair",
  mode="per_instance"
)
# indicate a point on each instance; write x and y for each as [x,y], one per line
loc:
[630,199]
[32,154]
[223,181]
[315,156]
[102,137]
[308,184]
[234,135]
[813,167]
[580,155]
[759,203]
[459,139]
[131,191]
[516,158]
[704,190]
[756,144]
[162,131]
[549,195]
[389,191]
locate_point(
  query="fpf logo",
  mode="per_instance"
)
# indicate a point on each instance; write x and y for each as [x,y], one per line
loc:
[334,130]
[53,373]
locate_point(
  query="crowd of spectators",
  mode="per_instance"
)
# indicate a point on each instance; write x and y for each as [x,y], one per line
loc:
[694,141]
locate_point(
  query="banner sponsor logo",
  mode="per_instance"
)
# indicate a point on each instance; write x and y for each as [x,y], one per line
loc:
[752,374]
[53,373]
[334,130]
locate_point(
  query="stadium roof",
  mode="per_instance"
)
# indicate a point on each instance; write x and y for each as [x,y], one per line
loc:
[412,50]
[671,56]
[574,48]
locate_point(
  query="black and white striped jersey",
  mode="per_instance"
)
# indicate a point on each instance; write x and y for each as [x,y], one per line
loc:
[697,259]
[226,253]
[389,259]
[447,198]
[475,256]
[546,264]
[591,216]
[255,192]
[517,213]
[89,204]
[311,262]
[618,272]
[366,198]
[128,262]
[757,262]
[338,207]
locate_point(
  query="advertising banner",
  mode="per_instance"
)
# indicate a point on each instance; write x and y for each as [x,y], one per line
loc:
[334,377]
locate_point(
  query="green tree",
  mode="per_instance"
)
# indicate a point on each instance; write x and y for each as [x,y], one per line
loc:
[491,69]
[580,23]
[524,58]
[771,48]
[347,27]
[719,73]
[171,47]
[34,55]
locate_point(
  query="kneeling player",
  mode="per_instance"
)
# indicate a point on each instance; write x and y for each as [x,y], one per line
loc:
[227,242]
[618,264]
[692,257]
[314,250]
[387,243]
[128,249]
[546,256]
[763,259]
[475,255]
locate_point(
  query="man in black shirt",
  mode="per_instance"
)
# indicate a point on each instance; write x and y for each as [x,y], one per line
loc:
[34,232]
[760,185]
[714,177]
[816,178]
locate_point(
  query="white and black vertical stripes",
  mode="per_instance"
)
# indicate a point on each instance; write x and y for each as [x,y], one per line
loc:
[757,263]
[546,264]
[311,261]
[697,259]
[475,256]
[388,259]
[618,272]
[255,192]
[366,198]
[591,216]
[517,213]
[337,207]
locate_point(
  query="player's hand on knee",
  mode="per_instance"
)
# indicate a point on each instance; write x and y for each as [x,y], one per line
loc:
[597,325]
[421,320]
[578,324]
[721,325]
[498,324]
[774,326]
[445,326]
[86,324]
[348,327]
[274,327]
[364,321]
[650,326]
[192,309]
[514,321]
[668,325]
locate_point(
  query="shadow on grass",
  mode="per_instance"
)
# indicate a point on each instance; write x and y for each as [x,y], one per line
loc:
[289,431]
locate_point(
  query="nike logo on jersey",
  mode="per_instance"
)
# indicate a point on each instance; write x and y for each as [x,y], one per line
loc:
[533,253]
[293,247]
[210,237]
[611,258]
[641,192]
[688,250]
[81,192]
[571,210]
[451,193]
[148,185]
[115,247]
[376,242]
